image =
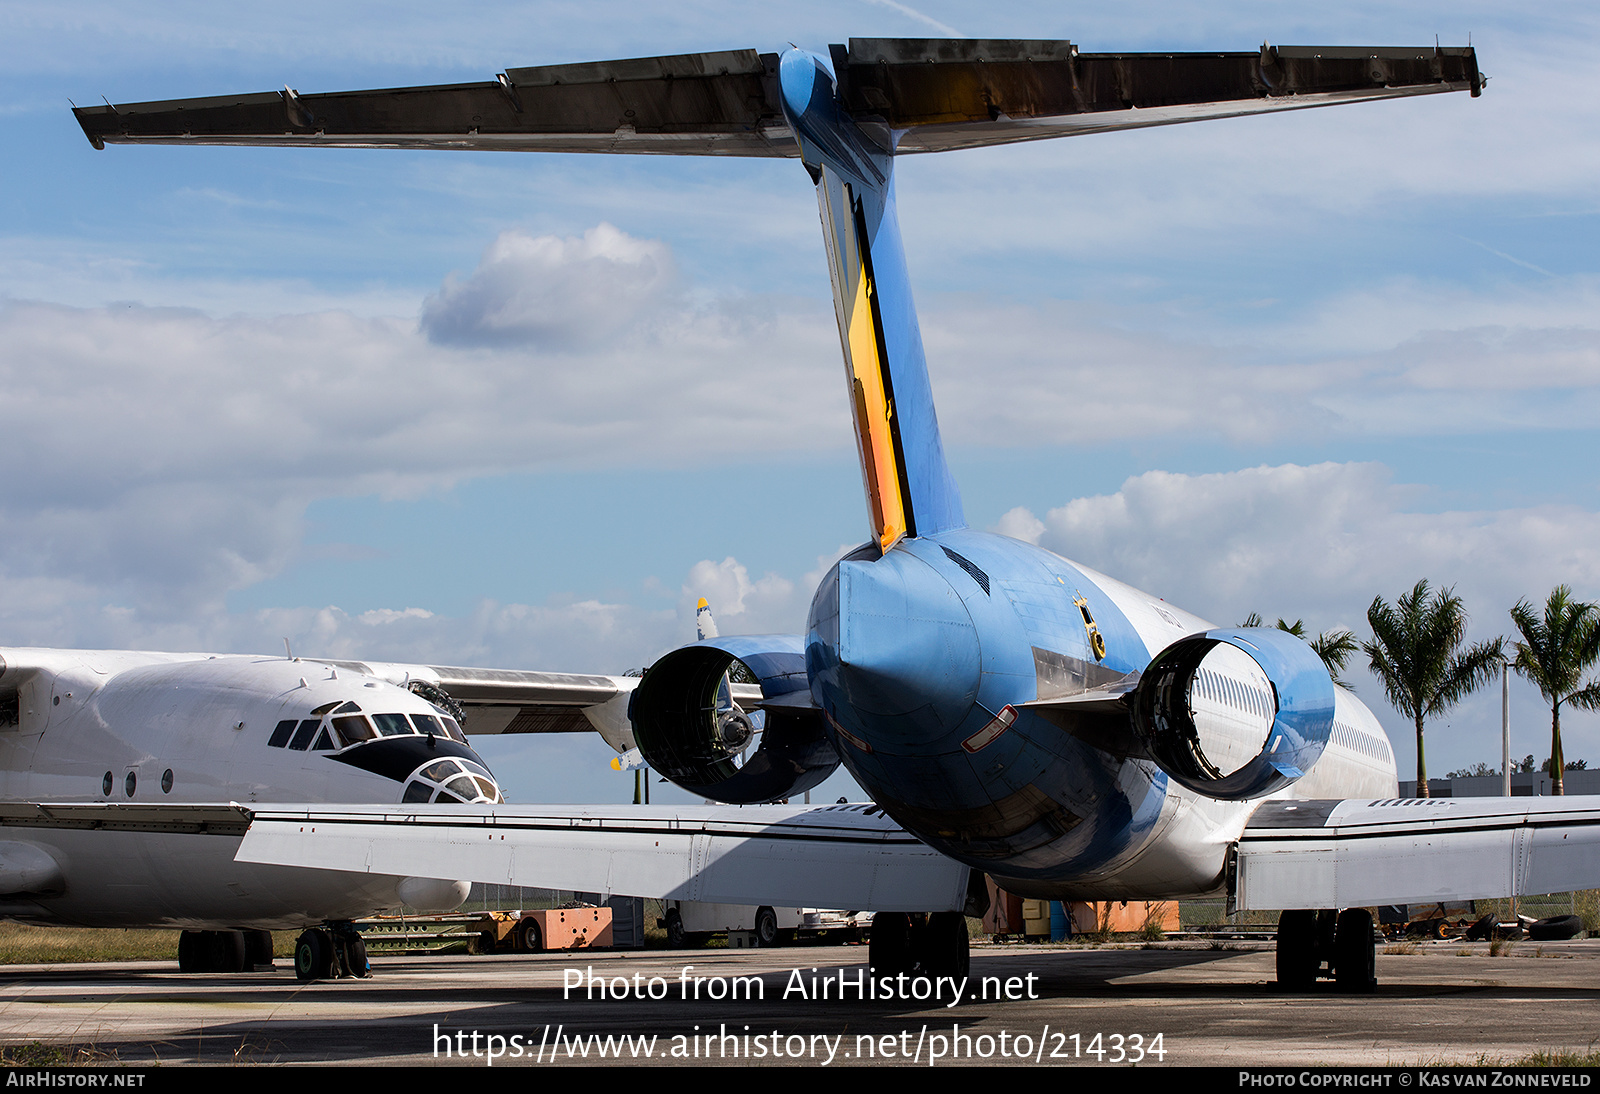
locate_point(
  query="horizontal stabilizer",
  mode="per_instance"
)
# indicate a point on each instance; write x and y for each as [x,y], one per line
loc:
[1350,854]
[939,94]
[842,856]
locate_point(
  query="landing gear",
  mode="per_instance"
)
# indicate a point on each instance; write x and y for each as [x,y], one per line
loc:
[1355,952]
[1298,960]
[933,944]
[211,951]
[1313,944]
[258,949]
[334,951]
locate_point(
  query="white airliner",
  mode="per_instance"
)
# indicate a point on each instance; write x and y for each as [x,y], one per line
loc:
[93,745]
[1011,712]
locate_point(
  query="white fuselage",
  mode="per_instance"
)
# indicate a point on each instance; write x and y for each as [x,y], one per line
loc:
[158,729]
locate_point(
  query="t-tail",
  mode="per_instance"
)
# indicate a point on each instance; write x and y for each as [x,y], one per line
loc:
[908,484]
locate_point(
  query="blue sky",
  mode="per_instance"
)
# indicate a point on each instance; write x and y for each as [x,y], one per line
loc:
[1282,364]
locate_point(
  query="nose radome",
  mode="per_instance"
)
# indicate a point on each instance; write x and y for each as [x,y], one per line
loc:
[906,643]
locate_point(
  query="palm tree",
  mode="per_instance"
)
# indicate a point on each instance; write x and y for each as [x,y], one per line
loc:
[1416,653]
[1334,647]
[1554,654]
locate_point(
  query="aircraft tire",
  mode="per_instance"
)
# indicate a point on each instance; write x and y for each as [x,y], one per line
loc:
[313,955]
[1355,952]
[946,948]
[225,951]
[889,947]
[675,933]
[191,952]
[1297,950]
[258,949]
[766,928]
[355,956]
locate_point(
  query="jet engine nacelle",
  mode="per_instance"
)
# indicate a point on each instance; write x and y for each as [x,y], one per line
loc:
[692,727]
[1231,734]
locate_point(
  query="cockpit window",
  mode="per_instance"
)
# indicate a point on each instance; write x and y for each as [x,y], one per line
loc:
[324,743]
[427,724]
[453,730]
[393,725]
[281,735]
[353,729]
[302,736]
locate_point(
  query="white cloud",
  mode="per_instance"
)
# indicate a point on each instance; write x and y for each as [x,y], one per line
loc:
[545,292]
[1318,542]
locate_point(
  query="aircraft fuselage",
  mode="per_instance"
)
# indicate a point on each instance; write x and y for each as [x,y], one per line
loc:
[154,728]
[925,660]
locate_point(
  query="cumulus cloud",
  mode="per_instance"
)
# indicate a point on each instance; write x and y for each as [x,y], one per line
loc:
[544,291]
[741,605]
[1316,542]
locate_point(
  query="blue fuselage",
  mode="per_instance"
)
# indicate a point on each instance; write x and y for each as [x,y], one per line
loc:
[912,694]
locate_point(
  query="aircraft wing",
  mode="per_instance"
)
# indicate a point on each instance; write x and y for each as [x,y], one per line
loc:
[498,701]
[839,856]
[1350,854]
[916,95]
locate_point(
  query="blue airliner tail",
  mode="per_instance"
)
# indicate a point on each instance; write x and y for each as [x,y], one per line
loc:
[909,488]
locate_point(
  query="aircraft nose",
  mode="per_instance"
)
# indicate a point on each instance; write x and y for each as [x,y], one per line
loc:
[907,653]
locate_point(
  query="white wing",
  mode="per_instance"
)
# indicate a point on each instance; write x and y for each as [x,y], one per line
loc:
[1352,853]
[841,856]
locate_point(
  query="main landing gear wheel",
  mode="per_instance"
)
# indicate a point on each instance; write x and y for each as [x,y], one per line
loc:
[313,955]
[946,949]
[675,934]
[1355,952]
[1298,960]
[212,951]
[929,945]
[889,948]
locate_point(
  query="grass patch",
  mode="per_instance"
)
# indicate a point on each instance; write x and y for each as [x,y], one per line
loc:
[39,1054]
[22,944]
[1562,1058]
[1400,947]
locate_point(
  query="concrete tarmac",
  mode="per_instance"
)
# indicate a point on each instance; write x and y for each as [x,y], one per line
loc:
[1177,1003]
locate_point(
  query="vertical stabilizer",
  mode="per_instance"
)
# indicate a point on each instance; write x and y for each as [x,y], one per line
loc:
[908,485]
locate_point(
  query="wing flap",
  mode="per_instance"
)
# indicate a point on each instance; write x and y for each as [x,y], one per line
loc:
[833,857]
[1346,854]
